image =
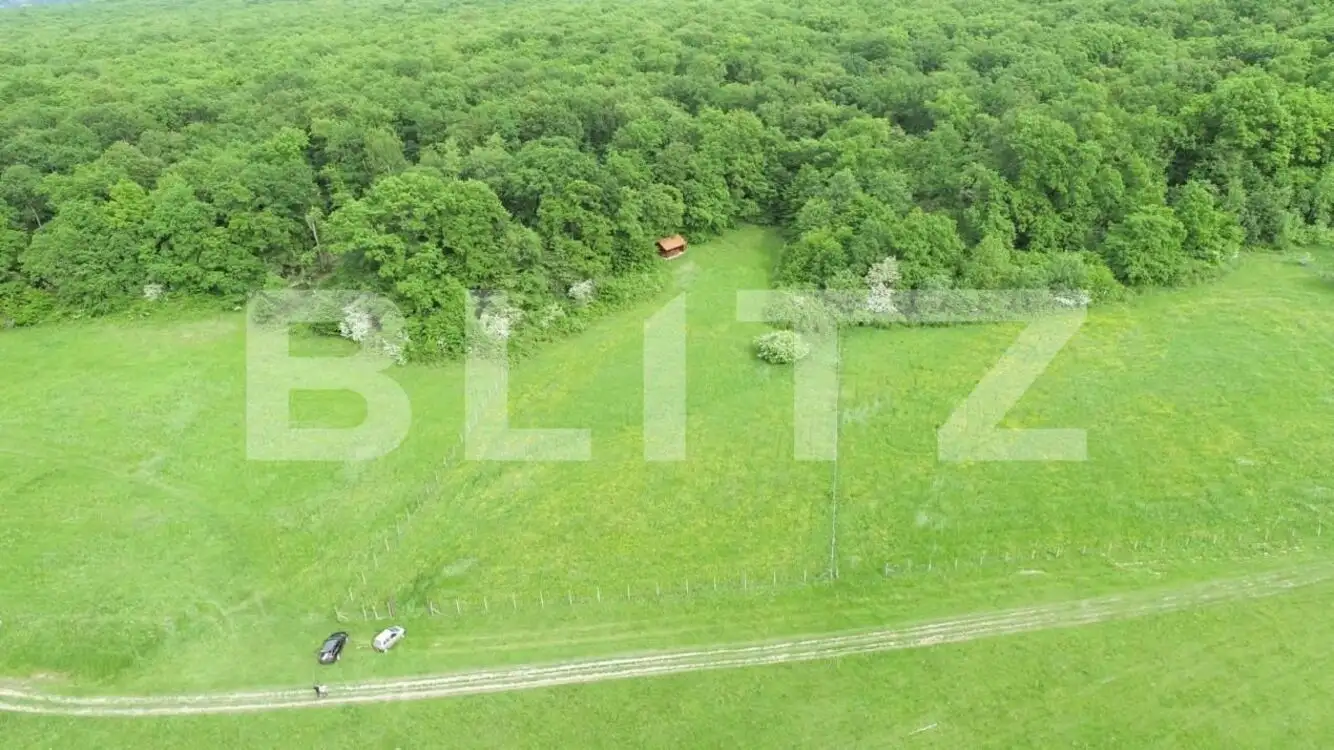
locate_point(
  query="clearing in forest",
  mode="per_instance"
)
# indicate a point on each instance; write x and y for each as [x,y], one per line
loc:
[160,558]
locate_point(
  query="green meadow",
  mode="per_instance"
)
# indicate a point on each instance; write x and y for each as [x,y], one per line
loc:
[146,554]
[1246,675]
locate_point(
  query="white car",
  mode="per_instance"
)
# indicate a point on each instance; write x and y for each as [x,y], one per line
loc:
[387,638]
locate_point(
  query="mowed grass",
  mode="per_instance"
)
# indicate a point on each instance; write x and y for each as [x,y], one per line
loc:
[155,557]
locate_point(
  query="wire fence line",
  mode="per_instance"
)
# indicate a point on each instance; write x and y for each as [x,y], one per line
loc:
[1143,554]
[1036,559]
[556,599]
[402,521]
[833,481]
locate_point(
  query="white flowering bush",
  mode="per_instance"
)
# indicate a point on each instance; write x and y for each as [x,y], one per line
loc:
[583,291]
[490,332]
[781,347]
[1076,298]
[880,300]
[884,274]
[498,323]
[376,326]
[154,292]
[880,282]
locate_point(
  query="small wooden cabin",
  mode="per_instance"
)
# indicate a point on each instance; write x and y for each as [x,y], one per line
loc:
[671,247]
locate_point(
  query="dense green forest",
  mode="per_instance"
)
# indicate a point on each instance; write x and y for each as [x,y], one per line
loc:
[421,149]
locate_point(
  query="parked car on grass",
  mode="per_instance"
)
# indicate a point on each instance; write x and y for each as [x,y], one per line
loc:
[333,648]
[387,638]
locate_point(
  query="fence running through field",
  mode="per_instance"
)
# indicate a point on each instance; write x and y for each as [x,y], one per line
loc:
[833,480]
[1131,556]
[363,603]
[1140,555]
[403,518]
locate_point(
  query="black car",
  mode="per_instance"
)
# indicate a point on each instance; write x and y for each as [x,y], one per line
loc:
[333,648]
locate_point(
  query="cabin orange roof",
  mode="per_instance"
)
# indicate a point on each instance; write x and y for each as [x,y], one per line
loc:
[672,243]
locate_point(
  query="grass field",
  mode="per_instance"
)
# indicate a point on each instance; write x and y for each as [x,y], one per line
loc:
[149,555]
[1253,675]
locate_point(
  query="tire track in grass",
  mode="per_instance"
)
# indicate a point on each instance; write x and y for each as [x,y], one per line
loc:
[984,625]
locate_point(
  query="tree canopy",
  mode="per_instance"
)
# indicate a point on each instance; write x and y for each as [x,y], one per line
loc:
[424,149]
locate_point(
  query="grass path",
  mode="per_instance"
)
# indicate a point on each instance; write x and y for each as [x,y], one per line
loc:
[957,630]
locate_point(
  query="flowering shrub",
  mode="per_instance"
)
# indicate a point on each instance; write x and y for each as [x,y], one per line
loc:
[781,347]
[583,291]
[376,327]
[880,282]
[498,324]
[884,274]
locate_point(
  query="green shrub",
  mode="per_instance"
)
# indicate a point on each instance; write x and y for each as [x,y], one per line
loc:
[22,305]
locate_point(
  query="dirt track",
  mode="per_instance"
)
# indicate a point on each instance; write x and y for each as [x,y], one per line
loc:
[1061,615]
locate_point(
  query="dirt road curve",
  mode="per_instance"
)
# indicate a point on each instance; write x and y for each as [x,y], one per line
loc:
[1061,615]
